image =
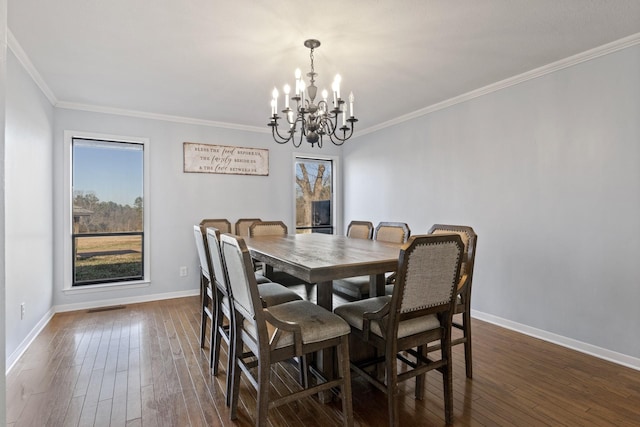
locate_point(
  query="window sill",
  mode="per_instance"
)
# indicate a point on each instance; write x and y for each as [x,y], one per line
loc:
[106,287]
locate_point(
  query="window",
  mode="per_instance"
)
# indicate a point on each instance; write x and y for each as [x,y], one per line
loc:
[107,212]
[314,195]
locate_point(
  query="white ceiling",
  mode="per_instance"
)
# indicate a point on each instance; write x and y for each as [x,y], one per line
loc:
[219,61]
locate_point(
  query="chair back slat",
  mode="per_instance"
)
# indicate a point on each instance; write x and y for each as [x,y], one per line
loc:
[392,232]
[221,224]
[360,229]
[238,262]
[431,274]
[203,256]
[219,274]
[243,224]
[268,228]
[469,238]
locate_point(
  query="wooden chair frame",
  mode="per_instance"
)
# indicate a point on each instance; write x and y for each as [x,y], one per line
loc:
[263,347]
[207,300]
[411,349]
[382,225]
[463,306]
[355,225]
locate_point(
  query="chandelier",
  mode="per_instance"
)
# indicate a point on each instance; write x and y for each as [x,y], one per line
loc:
[315,120]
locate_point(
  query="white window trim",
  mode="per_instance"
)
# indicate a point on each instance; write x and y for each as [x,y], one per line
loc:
[337,220]
[68,216]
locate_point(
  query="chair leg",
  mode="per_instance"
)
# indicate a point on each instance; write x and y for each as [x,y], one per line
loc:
[422,352]
[231,358]
[345,373]
[447,380]
[304,371]
[203,304]
[264,382]
[235,371]
[217,337]
[468,361]
[392,388]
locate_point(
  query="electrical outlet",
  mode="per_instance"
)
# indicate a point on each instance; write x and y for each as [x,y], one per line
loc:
[184,272]
[21,311]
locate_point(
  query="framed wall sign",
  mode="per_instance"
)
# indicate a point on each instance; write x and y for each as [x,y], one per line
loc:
[225,159]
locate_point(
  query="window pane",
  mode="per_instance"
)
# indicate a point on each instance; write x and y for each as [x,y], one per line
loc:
[314,196]
[108,188]
[109,258]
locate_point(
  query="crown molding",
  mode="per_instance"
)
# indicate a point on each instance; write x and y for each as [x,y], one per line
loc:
[511,81]
[155,116]
[17,50]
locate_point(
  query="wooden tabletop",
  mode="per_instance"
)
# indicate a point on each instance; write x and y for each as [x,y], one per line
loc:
[318,257]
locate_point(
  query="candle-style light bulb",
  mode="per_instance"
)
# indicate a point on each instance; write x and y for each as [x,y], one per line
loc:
[334,89]
[337,81]
[302,89]
[273,107]
[298,74]
[275,99]
[351,99]
[286,90]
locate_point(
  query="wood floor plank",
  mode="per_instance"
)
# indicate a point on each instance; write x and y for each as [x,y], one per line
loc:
[134,398]
[143,366]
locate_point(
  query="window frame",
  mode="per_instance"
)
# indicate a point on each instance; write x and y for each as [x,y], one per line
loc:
[68,214]
[336,200]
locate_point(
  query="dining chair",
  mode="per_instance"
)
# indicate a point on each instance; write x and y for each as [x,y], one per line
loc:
[278,333]
[207,304]
[360,229]
[242,226]
[358,287]
[419,312]
[220,223]
[463,299]
[270,294]
[208,300]
[392,232]
[267,228]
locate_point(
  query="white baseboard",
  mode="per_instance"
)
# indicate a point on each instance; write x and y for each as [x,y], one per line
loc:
[13,358]
[24,345]
[126,300]
[599,352]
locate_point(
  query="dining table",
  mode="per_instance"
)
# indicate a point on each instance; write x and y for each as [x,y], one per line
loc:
[321,258]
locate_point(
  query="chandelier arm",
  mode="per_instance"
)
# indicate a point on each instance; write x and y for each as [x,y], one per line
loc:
[336,139]
[276,133]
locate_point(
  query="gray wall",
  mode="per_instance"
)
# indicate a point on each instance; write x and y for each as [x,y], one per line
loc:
[548,174]
[28,221]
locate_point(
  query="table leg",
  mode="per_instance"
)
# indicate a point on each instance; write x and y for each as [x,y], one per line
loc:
[268,271]
[324,294]
[376,285]
[324,359]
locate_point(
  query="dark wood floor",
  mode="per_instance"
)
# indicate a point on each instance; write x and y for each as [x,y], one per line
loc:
[142,366]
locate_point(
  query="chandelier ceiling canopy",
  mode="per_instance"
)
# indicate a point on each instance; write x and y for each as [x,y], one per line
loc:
[309,118]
